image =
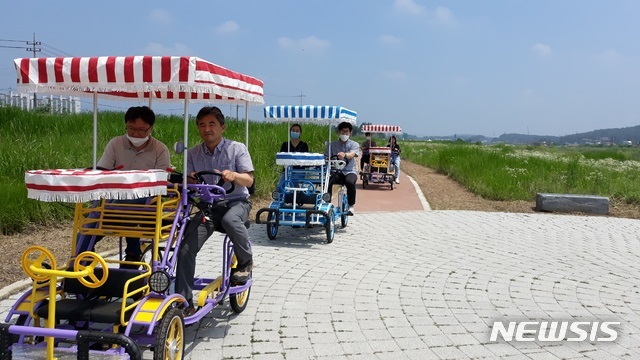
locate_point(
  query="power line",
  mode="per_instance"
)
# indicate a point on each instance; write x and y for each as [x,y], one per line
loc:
[7,40]
[58,51]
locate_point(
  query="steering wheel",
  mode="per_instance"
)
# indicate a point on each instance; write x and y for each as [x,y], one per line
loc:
[337,164]
[38,257]
[309,188]
[90,260]
[221,181]
[287,184]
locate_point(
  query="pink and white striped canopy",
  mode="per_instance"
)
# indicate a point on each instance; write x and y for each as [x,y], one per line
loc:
[137,77]
[390,129]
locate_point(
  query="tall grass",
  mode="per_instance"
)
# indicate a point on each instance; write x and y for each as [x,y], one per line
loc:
[31,141]
[518,173]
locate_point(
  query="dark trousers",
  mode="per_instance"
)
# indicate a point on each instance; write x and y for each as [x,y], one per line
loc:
[349,181]
[364,159]
[197,233]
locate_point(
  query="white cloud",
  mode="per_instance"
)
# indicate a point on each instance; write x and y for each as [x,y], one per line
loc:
[390,39]
[161,16]
[408,6]
[610,57]
[227,27]
[177,49]
[541,49]
[310,43]
[441,15]
[444,16]
[393,75]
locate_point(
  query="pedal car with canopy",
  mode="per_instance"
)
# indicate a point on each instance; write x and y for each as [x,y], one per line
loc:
[91,307]
[302,197]
[380,169]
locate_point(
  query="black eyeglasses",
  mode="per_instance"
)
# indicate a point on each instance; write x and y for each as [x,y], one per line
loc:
[137,131]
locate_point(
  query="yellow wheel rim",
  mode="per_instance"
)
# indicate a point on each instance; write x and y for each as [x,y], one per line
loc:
[241,298]
[173,342]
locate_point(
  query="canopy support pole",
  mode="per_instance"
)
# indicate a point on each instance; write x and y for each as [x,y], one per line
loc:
[184,140]
[95,130]
[246,123]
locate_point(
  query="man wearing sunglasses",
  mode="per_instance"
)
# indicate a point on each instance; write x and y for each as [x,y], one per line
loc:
[135,150]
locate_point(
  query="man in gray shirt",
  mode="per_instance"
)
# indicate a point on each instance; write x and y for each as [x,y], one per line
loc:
[347,150]
[233,161]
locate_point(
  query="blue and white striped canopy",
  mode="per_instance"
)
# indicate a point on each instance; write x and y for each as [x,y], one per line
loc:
[310,113]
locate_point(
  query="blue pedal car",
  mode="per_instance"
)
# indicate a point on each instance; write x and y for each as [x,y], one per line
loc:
[302,196]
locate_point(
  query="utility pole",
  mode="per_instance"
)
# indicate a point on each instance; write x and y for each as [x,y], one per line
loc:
[301,96]
[35,49]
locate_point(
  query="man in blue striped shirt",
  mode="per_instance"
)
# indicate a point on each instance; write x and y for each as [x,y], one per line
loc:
[232,159]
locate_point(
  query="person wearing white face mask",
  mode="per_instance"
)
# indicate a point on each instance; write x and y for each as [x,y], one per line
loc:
[136,150]
[347,150]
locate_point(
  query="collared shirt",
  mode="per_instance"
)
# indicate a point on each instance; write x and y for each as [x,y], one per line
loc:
[350,146]
[228,155]
[120,152]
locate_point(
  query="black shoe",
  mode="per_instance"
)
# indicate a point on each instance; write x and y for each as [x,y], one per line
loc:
[189,311]
[240,275]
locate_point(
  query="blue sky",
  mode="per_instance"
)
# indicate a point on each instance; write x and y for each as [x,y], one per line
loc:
[544,67]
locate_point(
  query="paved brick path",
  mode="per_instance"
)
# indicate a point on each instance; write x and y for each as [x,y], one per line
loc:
[427,285]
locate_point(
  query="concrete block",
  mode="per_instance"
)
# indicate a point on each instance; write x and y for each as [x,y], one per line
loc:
[572,203]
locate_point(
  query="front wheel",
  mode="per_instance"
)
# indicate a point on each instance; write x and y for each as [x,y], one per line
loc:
[170,338]
[344,216]
[239,301]
[272,227]
[330,227]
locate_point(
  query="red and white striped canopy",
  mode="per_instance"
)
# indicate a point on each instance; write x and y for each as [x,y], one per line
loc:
[137,77]
[390,129]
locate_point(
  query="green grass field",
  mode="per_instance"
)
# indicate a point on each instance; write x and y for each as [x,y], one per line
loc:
[504,172]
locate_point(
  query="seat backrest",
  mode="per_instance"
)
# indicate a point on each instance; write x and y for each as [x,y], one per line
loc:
[113,287]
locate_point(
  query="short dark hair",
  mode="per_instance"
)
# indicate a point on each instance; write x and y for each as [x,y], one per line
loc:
[296,124]
[143,112]
[345,125]
[367,134]
[211,110]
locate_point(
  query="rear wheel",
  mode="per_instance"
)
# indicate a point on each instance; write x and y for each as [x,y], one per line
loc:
[170,338]
[330,227]
[239,301]
[272,227]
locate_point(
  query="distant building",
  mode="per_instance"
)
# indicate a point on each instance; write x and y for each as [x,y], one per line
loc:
[54,104]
